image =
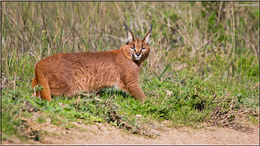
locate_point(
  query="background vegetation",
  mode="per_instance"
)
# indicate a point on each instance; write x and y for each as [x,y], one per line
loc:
[203,65]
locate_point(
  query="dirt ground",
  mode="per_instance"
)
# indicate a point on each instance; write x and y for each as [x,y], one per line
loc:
[107,134]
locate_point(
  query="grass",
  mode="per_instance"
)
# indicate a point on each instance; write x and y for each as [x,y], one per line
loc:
[203,66]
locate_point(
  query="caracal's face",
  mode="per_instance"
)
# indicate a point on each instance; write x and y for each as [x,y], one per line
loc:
[138,50]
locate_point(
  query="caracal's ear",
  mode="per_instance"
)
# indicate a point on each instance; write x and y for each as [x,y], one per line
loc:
[148,36]
[130,36]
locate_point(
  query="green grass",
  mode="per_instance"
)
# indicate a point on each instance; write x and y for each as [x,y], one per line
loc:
[203,66]
[190,101]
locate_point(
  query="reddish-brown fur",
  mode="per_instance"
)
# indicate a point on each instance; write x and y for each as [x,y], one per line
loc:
[70,73]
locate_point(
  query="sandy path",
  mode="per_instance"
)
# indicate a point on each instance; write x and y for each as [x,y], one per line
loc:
[106,134]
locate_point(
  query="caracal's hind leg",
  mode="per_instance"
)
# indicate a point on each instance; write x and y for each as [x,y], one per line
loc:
[45,93]
[34,83]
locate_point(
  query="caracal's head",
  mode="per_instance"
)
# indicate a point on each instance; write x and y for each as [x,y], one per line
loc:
[137,49]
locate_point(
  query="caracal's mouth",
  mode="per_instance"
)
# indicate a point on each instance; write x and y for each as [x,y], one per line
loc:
[137,57]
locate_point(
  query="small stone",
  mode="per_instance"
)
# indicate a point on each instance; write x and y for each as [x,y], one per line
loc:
[139,115]
[169,93]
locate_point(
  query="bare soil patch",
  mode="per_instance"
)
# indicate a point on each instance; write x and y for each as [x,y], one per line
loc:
[103,133]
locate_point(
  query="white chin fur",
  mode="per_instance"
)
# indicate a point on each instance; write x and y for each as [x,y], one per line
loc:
[137,57]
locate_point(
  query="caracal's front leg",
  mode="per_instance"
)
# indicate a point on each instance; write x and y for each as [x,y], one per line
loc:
[135,90]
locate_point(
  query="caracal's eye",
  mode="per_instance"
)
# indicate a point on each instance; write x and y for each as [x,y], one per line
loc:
[143,48]
[132,48]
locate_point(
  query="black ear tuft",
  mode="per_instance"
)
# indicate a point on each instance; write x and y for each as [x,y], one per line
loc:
[130,36]
[125,26]
[148,35]
[150,29]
